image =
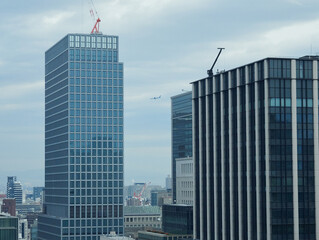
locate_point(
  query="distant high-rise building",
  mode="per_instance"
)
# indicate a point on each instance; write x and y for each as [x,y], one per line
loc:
[83,196]
[160,197]
[168,183]
[37,192]
[14,189]
[9,206]
[154,200]
[10,186]
[181,114]
[256,151]
[18,195]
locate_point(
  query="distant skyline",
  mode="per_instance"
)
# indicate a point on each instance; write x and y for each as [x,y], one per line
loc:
[164,44]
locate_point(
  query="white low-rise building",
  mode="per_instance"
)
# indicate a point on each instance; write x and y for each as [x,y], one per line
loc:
[138,218]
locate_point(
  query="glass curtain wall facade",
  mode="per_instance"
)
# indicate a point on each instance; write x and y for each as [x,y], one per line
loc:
[18,192]
[9,228]
[10,186]
[256,150]
[177,219]
[83,196]
[14,189]
[181,114]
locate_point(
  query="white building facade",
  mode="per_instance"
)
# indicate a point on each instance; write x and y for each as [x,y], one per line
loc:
[184,181]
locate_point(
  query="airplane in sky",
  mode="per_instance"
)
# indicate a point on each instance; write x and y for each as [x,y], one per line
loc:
[155,98]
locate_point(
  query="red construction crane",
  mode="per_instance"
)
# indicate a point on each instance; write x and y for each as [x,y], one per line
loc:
[96,28]
[139,196]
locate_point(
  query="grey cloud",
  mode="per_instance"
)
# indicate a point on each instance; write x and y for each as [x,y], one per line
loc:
[164,45]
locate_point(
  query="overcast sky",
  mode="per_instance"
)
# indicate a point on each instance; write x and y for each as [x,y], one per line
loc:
[164,44]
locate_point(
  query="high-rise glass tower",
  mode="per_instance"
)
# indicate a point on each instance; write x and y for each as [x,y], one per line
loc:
[14,189]
[18,192]
[10,186]
[83,196]
[181,115]
[256,151]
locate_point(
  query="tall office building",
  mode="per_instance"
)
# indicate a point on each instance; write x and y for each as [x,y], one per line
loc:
[18,195]
[181,114]
[37,192]
[256,148]
[14,189]
[10,186]
[8,227]
[168,182]
[83,196]
[9,206]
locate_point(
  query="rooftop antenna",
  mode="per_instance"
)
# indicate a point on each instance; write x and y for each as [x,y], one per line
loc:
[96,28]
[210,71]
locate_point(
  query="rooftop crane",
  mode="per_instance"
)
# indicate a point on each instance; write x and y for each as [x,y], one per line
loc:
[139,196]
[210,71]
[93,12]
